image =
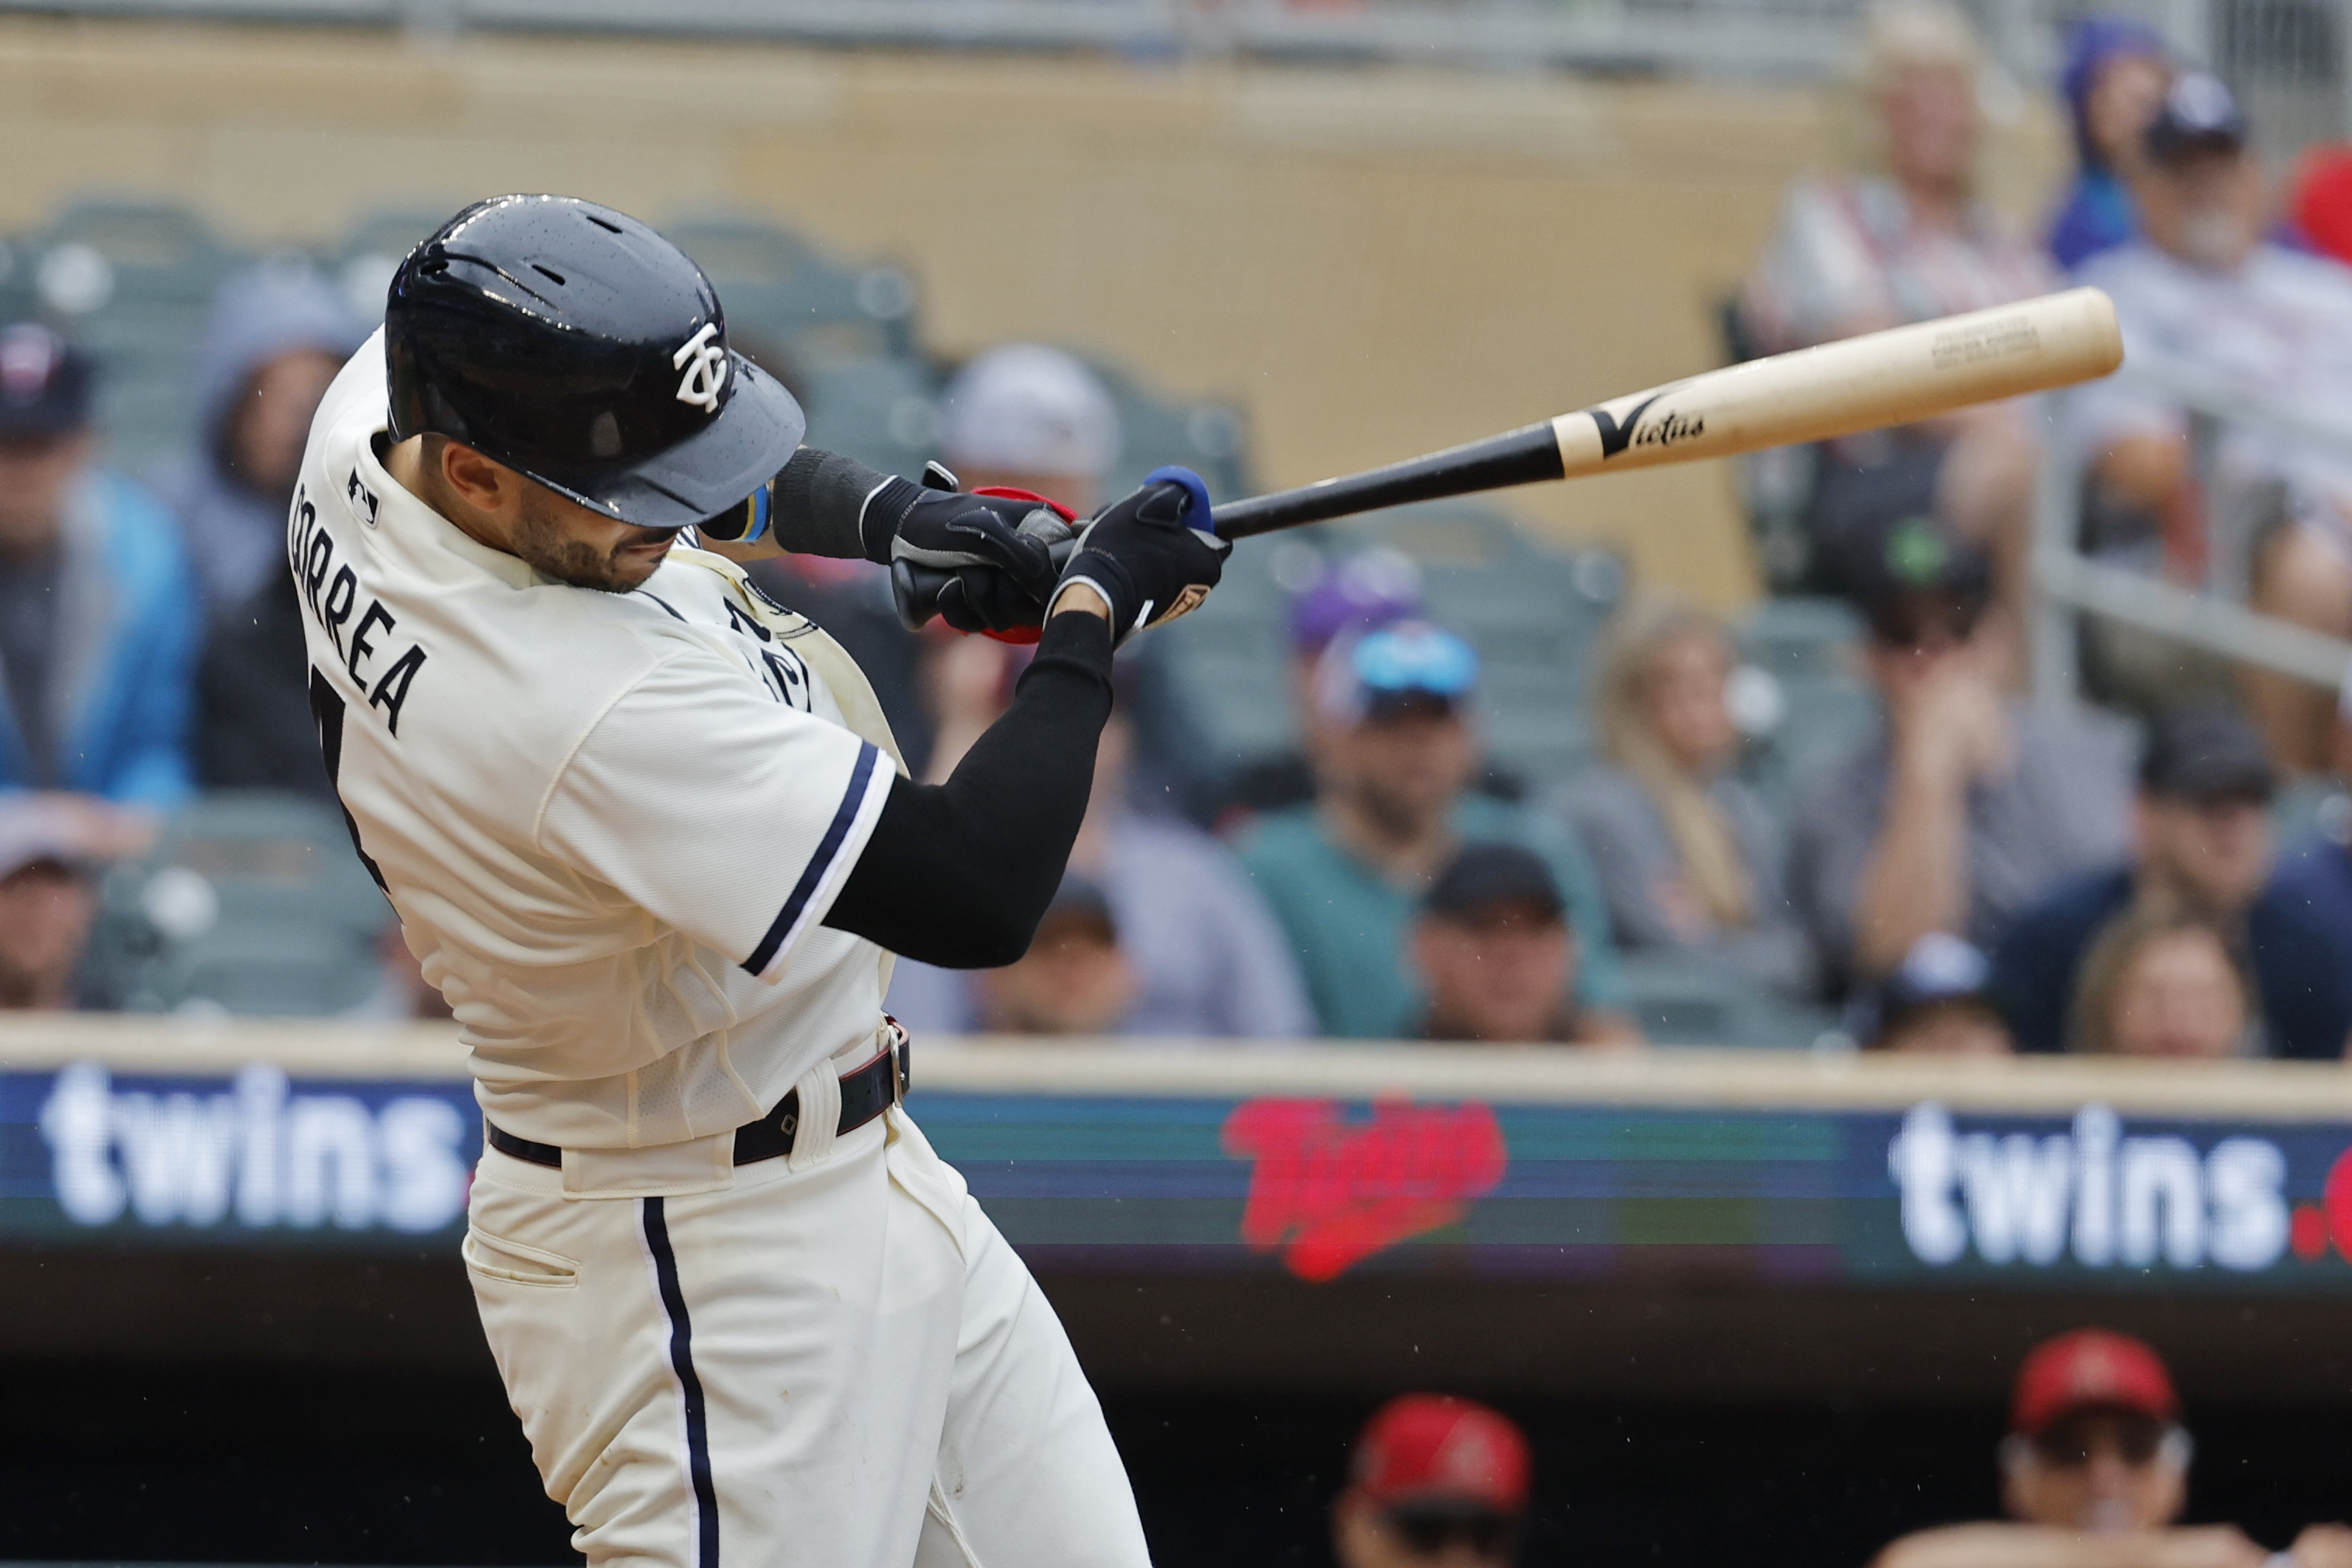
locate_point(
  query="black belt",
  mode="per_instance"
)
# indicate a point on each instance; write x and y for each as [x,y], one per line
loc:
[864,1095]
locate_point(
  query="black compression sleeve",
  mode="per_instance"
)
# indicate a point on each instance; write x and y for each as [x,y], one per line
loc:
[959,874]
[819,499]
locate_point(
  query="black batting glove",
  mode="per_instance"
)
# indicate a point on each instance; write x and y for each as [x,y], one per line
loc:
[996,551]
[1144,555]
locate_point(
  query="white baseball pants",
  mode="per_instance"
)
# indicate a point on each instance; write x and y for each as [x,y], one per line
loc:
[832,1359]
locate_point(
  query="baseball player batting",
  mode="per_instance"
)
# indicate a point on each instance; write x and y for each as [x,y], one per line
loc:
[650,836]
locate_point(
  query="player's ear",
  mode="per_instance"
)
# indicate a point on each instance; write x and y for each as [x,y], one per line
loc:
[481,481]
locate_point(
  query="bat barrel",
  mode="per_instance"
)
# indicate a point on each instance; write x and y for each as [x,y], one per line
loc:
[1521,457]
[1898,376]
[1894,377]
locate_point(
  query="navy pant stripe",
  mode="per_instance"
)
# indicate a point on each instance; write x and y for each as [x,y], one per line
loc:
[681,1361]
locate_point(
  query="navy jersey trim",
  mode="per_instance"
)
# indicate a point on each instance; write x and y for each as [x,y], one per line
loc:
[819,863]
[664,604]
[681,1361]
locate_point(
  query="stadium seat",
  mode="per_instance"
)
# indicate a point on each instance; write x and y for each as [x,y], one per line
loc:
[250,902]
[776,284]
[1808,647]
[130,282]
[1802,636]
[882,412]
[1678,1001]
[368,253]
[1532,612]
[1207,437]
[1826,719]
[160,250]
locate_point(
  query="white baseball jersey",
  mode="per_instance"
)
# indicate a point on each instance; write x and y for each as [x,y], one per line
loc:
[611,823]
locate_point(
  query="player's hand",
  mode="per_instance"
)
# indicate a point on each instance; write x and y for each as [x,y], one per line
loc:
[1150,555]
[996,551]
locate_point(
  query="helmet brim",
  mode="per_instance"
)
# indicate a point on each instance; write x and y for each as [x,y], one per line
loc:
[754,435]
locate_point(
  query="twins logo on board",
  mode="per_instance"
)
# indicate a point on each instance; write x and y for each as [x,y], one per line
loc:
[704,360]
[1328,1193]
[2102,1197]
[253,1155]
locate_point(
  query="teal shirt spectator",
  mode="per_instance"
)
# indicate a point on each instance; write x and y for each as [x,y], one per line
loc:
[1347,922]
[123,664]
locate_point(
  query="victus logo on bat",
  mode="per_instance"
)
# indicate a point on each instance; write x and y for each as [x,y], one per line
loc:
[2101,1195]
[1668,428]
[254,1157]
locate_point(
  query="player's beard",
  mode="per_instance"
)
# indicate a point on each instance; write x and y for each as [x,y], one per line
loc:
[543,537]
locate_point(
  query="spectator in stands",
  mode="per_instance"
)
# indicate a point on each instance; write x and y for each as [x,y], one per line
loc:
[1968,806]
[1904,241]
[2317,878]
[2163,982]
[2095,1474]
[1357,593]
[1345,874]
[279,333]
[1075,978]
[2203,298]
[97,634]
[1028,417]
[50,848]
[2201,842]
[1690,859]
[1434,1481]
[1935,1004]
[1205,959]
[1494,953]
[2116,71]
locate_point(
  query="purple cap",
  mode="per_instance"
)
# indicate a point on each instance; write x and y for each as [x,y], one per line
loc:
[1368,590]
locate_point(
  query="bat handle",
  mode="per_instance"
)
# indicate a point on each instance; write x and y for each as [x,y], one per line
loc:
[915,590]
[1525,455]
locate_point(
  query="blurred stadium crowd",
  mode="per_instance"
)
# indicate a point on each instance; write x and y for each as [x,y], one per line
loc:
[1413,776]
[1416,776]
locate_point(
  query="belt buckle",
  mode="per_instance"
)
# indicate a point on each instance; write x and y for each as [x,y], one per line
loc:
[902,1055]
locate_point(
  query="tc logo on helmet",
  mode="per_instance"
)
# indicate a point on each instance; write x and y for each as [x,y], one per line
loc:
[704,363]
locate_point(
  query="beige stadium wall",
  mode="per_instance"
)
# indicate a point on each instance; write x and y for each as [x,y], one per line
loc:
[1370,262]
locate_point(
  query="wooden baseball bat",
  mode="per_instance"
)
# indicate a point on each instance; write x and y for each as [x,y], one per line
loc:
[1894,377]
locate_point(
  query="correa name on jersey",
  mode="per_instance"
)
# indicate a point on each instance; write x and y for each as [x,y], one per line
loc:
[330,591]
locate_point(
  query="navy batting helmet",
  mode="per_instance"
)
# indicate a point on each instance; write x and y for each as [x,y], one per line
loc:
[577,346]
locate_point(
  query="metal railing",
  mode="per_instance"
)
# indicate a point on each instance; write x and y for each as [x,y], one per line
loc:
[2214,618]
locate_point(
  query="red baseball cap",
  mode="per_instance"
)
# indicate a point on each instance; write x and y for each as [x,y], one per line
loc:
[2090,1368]
[2322,200]
[1436,1448]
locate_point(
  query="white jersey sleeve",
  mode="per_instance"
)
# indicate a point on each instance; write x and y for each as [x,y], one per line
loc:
[722,813]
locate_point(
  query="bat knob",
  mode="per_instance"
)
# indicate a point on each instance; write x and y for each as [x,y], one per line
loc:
[1196,494]
[915,590]
[915,593]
